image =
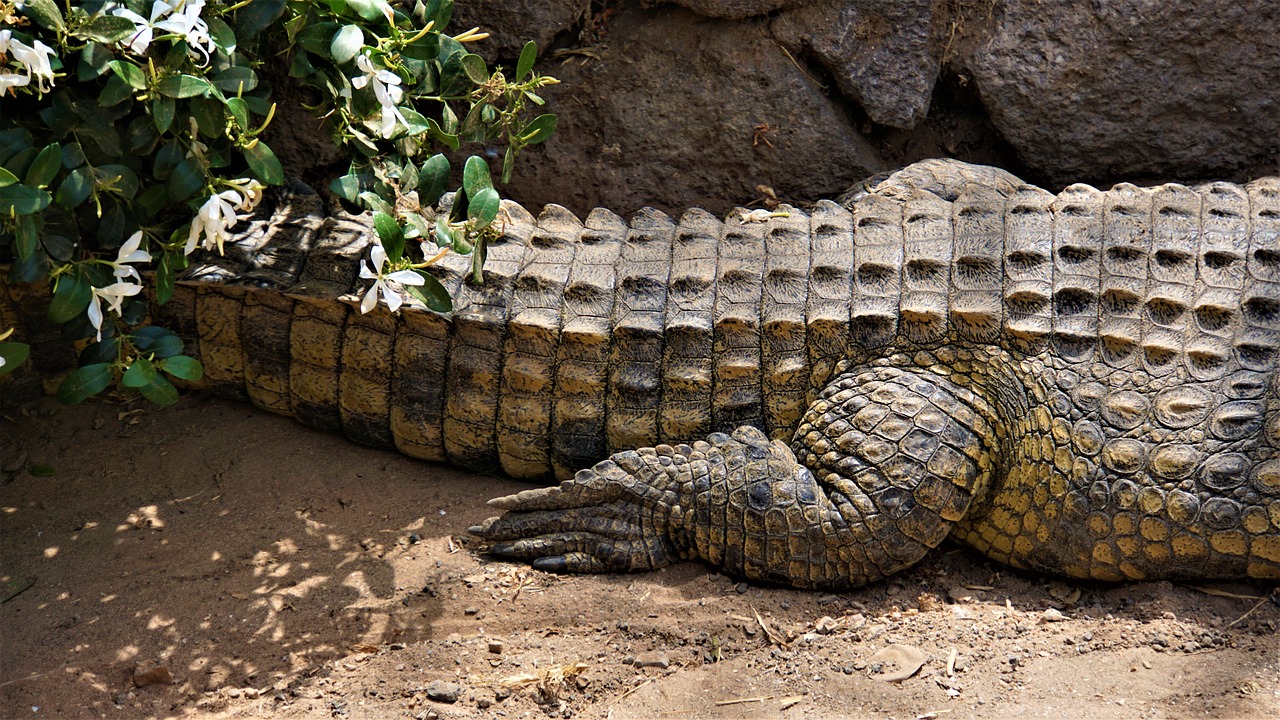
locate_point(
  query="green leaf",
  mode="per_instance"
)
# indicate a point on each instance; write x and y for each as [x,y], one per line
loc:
[236,79]
[408,175]
[135,311]
[119,177]
[14,354]
[347,187]
[130,73]
[183,86]
[439,11]
[483,208]
[162,110]
[369,9]
[45,166]
[13,141]
[84,382]
[27,235]
[158,341]
[431,293]
[114,92]
[390,234]
[70,298]
[240,111]
[417,123]
[44,12]
[142,136]
[108,29]
[7,178]
[257,16]
[221,34]
[164,279]
[444,234]
[75,188]
[538,129]
[23,200]
[209,115]
[186,179]
[440,136]
[473,66]
[508,163]
[106,350]
[183,367]
[41,470]
[458,210]
[317,37]
[416,226]
[139,374]
[94,59]
[527,57]
[346,43]
[57,246]
[374,201]
[160,391]
[475,175]
[264,163]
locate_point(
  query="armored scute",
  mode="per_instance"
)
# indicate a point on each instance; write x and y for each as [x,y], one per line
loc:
[1081,383]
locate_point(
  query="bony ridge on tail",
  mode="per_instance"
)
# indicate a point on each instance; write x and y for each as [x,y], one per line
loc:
[1081,383]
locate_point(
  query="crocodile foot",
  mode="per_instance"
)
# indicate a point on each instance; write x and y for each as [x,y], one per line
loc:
[844,508]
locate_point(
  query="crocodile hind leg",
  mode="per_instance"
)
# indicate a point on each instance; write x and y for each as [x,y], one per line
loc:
[882,466]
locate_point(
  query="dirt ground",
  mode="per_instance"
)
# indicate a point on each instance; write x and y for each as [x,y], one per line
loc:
[212,561]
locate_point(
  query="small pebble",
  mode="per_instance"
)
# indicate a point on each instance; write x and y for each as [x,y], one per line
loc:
[158,675]
[495,647]
[656,658]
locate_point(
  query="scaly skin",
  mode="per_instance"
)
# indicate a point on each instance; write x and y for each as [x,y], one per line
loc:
[1082,384]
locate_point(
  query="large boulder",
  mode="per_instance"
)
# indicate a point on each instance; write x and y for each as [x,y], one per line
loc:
[885,56]
[683,110]
[1109,89]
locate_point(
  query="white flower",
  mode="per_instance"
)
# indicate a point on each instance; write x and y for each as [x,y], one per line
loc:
[144,29]
[386,283]
[11,80]
[186,21]
[212,224]
[114,295]
[251,190]
[181,18]
[129,253]
[36,60]
[387,90]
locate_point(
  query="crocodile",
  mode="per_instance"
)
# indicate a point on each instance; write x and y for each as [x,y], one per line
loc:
[1081,383]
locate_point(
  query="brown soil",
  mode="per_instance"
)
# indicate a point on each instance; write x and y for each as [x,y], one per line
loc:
[271,571]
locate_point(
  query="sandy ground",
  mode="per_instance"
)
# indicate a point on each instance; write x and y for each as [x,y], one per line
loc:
[212,561]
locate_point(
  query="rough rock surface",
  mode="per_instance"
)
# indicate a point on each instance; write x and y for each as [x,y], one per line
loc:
[735,9]
[674,107]
[884,56]
[682,110]
[512,23]
[1095,90]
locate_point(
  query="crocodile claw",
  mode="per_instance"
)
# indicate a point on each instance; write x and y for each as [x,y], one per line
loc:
[586,525]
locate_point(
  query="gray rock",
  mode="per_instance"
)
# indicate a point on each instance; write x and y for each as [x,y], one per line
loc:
[445,692]
[512,23]
[686,111]
[653,659]
[1093,90]
[884,56]
[735,9]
